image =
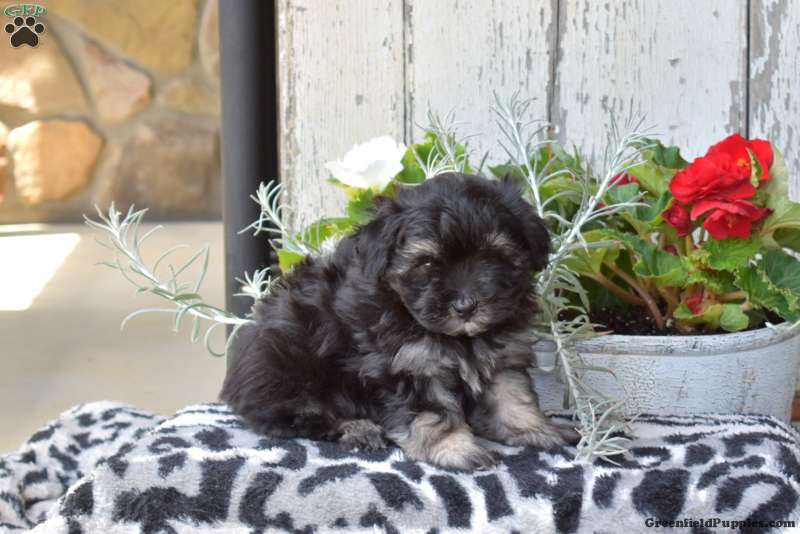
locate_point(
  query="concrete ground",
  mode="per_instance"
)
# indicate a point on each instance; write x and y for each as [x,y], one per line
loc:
[67,347]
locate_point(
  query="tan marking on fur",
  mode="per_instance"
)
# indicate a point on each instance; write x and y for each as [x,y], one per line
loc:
[420,358]
[469,376]
[510,413]
[421,247]
[500,241]
[515,402]
[438,440]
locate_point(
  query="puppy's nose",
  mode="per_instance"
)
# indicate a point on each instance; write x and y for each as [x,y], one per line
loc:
[464,306]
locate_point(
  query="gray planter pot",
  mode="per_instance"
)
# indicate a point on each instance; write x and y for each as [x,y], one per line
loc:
[745,372]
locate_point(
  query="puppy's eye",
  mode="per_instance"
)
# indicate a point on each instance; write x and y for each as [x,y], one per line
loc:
[425,262]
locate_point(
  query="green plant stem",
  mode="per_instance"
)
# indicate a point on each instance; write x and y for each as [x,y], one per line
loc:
[617,290]
[733,295]
[651,304]
[689,244]
[671,299]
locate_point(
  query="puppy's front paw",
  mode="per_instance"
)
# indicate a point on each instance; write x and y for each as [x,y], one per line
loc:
[468,456]
[570,435]
[544,436]
[361,434]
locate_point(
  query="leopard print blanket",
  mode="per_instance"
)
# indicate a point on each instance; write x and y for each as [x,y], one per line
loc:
[108,468]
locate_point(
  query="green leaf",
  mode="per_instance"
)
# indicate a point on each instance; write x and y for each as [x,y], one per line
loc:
[427,150]
[785,216]
[783,224]
[729,254]
[288,259]
[412,173]
[506,169]
[788,238]
[710,316]
[591,261]
[323,229]
[663,268]
[653,177]
[733,319]
[778,185]
[645,219]
[652,213]
[665,156]
[659,266]
[715,281]
[783,269]
[762,291]
[729,317]
[361,206]
[618,194]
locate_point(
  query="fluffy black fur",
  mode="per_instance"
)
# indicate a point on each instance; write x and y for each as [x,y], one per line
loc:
[417,328]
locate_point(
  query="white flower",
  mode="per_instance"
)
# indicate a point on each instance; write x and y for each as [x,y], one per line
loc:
[370,165]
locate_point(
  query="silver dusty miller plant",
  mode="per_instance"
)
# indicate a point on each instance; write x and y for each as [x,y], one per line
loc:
[564,305]
[600,419]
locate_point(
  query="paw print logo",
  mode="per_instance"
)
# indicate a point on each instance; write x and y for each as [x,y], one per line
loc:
[24,31]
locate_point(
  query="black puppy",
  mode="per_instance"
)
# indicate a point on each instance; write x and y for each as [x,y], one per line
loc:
[417,328]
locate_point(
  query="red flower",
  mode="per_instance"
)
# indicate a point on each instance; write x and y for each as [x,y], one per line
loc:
[715,177]
[695,301]
[678,216]
[738,149]
[624,179]
[728,219]
[725,172]
[671,249]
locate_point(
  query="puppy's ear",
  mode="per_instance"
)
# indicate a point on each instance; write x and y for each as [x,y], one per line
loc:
[377,239]
[533,228]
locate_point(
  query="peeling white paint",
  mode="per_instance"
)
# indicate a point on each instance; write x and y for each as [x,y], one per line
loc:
[669,59]
[352,70]
[340,83]
[466,51]
[775,79]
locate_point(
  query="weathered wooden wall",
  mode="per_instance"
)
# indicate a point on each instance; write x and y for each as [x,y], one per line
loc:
[354,69]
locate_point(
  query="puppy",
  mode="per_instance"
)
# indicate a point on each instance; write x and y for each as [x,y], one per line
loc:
[416,329]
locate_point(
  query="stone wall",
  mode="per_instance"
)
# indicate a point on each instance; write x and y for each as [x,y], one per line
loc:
[119,101]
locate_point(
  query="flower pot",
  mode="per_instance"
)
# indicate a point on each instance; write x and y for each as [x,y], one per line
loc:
[744,372]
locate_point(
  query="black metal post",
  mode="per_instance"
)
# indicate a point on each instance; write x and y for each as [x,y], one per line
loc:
[249,138]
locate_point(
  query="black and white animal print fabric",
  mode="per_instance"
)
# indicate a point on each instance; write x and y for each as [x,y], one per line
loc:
[108,468]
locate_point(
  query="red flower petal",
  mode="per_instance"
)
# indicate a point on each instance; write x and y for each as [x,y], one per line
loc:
[695,302]
[711,176]
[624,178]
[738,207]
[722,225]
[678,216]
[734,147]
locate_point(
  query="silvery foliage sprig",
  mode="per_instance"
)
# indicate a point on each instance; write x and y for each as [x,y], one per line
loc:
[600,419]
[445,157]
[121,234]
[274,220]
